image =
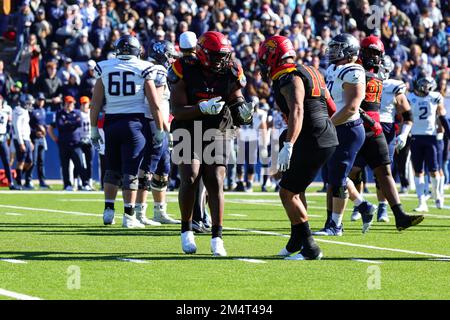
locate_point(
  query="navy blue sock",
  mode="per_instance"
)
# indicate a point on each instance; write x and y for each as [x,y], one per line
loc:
[186,226]
[216,231]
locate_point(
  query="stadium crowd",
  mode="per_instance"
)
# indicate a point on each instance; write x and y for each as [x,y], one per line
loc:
[59,42]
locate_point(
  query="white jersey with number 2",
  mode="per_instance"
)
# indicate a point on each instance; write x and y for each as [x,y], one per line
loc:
[424,113]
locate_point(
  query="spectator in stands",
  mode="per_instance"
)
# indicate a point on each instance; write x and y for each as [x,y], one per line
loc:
[53,54]
[67,70]
[68,123]
[82,49]
[42,29]
[30,61]
[25,19]
[49,84]
[88,81]
[100,35]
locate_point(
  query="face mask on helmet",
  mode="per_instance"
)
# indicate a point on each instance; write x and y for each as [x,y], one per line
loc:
[334,52]
[218,61]
[387,66]
[371,58]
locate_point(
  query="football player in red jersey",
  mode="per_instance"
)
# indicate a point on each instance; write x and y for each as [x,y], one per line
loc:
[206,101]
[309,141]
[375,151]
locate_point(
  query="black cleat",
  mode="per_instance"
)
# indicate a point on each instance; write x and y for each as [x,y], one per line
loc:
[240,187]
[408,221]
[199,227]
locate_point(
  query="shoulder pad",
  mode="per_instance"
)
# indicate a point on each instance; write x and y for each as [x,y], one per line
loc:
[149,71]
[177,68]
[353,73]
[399,88]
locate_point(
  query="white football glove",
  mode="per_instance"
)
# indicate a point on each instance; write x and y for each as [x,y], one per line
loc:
[246,111]
[400,141]
[212,106]
[96,138]
[158,137]
[170,142]
[284,157]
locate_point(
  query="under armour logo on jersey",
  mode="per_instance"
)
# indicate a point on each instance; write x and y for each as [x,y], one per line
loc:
[209,89]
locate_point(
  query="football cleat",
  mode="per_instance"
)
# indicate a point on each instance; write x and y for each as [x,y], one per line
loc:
[28,186]
[217,248]
[44,186]
[188,242]
[15,187]
[408,221]
[164,218]
[423,207]
[284,252]
[440,203]
[199,227]
[130,222]
[86,188]
[68,188]
[311,252]
[239,187]
[355,214]
[382,214]
[403,190]
[367,211]
[330,230]
[108,217]
[146,221]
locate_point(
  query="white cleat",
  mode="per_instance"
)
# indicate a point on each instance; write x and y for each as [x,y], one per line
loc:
[217,248]
[188,242]
[130,222]
[421,208]
[146,221]
[164,218]
[108,217]
[284,253]
[355,215]
[440,203]
[299,257]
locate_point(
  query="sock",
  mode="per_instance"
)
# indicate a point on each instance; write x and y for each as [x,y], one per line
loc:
[441,186]
[109,204]
[249,185]
[27,174]
[19,177]
[159,207]
[140,208]
[337,218]
[299,234]
[329,212]
[359,199]
[128,209]
[216,231]
[398,212]
[186,226]
[434,186]
[420,187]
[265,178]
[382,203]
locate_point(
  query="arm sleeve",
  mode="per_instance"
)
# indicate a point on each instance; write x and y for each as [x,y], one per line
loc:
[18,125]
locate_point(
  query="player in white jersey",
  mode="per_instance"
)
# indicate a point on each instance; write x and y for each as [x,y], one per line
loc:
[251,138]
[155,168]
[85,135]
[346,81]
[393,102]
[427,106]
[122,85]
[5,124]
[22,137]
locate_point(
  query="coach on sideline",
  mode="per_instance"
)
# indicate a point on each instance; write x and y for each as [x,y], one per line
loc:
[68,123]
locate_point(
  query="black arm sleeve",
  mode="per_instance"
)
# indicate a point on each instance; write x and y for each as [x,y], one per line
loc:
[407,116]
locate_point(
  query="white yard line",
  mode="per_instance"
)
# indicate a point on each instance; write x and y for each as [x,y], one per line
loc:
[13,214]
[366,261]
[347,243]
[14,261]
[252,231]
[132,260]
[236,215]
[15,295]
[251,260]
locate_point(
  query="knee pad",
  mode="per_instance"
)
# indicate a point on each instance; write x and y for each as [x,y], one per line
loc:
[130,182]
[144,181]
[112,177]
[159,185]
[340,192]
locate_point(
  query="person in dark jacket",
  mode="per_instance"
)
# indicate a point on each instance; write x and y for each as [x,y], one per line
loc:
[68,122]
[51,86]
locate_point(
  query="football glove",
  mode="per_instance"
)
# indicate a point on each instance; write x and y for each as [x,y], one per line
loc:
[284,157]
[212,106]
[170,142]
[96,138]
[246,111]
[158,137]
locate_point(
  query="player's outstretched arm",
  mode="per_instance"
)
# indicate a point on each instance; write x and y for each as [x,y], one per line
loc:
[353,95]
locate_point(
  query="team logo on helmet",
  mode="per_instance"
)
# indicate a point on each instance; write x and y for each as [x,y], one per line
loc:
[271,44]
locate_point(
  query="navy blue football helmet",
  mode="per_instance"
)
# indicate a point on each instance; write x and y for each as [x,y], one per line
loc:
[128,46]
[343,46]
[162,52]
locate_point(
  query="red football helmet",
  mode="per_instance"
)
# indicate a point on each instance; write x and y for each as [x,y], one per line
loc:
[214,51]
[272,52]
[372,51]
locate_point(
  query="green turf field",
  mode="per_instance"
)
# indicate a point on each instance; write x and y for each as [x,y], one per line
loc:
[53,245]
